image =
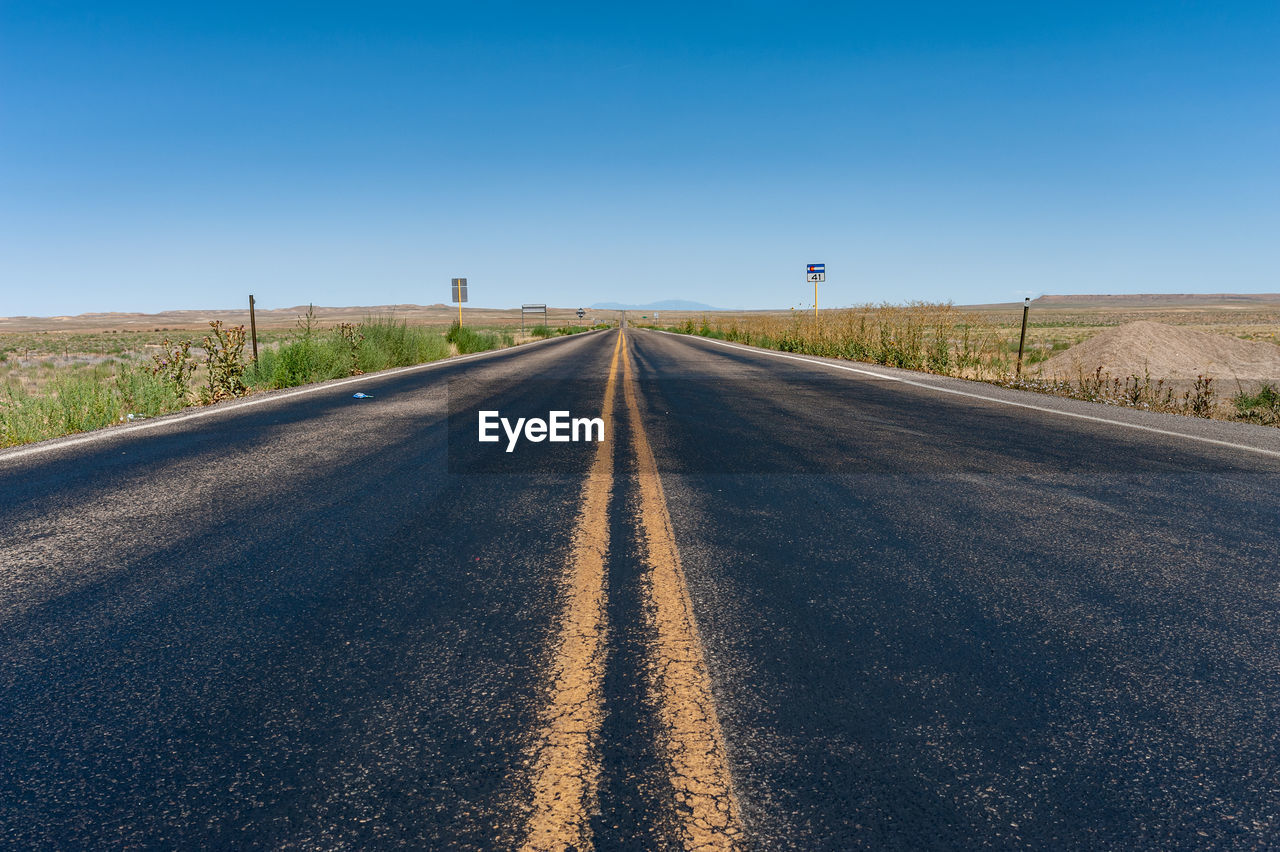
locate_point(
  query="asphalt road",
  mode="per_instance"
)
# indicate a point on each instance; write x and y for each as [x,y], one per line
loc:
[786,603]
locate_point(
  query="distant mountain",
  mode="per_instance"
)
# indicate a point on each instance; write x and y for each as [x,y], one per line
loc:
[666,305]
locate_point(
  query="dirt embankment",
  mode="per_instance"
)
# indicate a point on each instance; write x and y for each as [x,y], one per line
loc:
[1167,352]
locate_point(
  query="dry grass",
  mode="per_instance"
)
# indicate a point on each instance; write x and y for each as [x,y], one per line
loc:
[982,344]
[936,338]
[1200,400]
[1052,327]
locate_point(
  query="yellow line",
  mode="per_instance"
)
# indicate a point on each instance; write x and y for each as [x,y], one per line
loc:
[694,745]
[566,770]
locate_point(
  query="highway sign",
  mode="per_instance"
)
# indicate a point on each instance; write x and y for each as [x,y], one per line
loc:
[526,310]
[581,313]
[816,272]
[459,291]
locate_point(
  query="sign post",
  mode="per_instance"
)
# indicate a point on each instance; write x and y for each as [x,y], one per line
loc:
[1022,339]
[817,273]
[253,329]
[581,313]
[459,293]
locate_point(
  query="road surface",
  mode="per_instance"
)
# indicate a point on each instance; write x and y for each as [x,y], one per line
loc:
[786,604]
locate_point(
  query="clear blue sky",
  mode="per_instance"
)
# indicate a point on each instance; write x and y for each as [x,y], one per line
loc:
[182,155]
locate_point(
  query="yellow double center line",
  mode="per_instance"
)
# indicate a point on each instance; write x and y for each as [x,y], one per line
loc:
[566,770]
[566,764]
[694,745]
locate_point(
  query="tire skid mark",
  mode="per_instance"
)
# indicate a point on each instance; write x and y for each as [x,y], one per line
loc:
[706,805]
[565,760]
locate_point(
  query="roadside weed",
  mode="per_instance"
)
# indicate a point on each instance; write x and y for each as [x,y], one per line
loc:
[1262,407]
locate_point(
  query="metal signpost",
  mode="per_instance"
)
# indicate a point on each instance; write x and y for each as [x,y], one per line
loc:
[1022,339]
[459,296]
[817,273]
[532,309]
[253,328]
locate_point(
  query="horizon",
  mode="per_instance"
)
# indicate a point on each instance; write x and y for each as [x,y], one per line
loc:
[1067,299]
[163,158]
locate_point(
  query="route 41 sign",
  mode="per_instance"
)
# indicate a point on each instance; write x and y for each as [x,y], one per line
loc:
[816,273]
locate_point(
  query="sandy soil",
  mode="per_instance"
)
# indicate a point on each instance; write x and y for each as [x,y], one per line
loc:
[1167,352]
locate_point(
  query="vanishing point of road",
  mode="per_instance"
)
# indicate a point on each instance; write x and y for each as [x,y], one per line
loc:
[786,603]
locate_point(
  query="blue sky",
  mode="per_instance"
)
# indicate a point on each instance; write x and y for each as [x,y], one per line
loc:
[168,155]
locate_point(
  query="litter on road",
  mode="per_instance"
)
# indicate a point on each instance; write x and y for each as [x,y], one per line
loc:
[361,396]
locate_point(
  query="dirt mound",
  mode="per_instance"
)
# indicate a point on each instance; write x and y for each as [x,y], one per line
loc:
[1166,352]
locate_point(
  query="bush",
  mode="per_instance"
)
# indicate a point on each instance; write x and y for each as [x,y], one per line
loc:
[174,368]
[1200,401]
[375,344]
[351,337]
[468,340]
[224,356]
[1262,407]
[142,392]
[390,343]
[301,362]
[81,401]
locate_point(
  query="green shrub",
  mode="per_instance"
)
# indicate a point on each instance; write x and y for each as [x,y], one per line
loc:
[468,340]
[391,343]
[80,401]
[83,403]
[296,363]
[142,392]
[1262,407]
[376,344]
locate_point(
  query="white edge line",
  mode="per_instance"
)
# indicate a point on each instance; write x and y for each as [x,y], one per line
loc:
[954,392]
[208,411]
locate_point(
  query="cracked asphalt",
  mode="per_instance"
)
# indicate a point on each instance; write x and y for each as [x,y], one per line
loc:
[926,620]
